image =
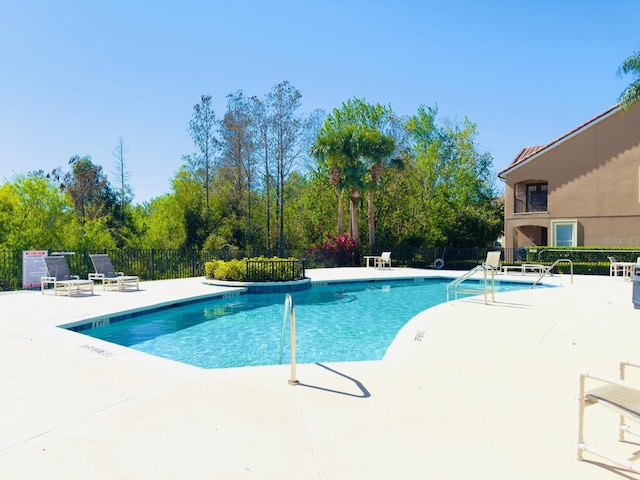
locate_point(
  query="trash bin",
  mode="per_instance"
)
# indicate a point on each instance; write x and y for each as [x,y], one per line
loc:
[636,287]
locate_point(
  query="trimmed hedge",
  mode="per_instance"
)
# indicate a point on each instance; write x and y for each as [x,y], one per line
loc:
[257,269]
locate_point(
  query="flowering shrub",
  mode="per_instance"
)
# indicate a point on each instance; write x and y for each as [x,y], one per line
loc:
[338,251]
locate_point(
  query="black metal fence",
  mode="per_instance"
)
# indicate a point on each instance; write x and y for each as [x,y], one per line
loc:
[148,264]
[155,264]
[266,270]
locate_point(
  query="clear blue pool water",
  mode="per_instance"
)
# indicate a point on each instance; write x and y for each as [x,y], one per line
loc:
[343,322]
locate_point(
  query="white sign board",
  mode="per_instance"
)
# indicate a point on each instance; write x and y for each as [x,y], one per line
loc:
[33,267]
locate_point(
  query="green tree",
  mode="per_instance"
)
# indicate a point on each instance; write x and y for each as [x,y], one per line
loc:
[202,127]
[452,173]
[336,151]
[89,189]
[400,212]
[162,224]
[195,214]
[377,150]
[316,207]
[357,150]
[34,214]
[630,66]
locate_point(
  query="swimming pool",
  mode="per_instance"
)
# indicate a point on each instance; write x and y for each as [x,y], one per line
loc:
[336,322]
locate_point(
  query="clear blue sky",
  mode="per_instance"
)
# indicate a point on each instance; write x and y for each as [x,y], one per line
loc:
[75,75]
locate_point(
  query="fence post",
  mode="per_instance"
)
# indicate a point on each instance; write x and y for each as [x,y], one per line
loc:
[153,264]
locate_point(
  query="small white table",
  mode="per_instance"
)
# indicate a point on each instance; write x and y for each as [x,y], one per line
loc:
[533,268]
[375,259]
[627,269]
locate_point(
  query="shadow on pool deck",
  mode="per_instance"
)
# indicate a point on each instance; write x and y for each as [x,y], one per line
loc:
[364,393]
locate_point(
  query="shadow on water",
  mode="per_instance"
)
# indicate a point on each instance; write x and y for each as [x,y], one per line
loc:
[364,393]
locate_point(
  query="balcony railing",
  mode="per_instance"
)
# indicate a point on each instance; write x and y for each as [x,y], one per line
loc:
[535,202]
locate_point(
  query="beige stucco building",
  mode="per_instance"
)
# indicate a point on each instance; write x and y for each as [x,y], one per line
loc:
[582,189]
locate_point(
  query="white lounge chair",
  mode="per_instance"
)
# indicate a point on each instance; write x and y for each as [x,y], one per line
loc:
[105,273]
[59,278]
[621,396]
[493,260]
[384,260]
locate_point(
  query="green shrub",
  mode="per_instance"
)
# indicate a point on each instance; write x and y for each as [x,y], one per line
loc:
[233,270]
[258,269]
[210,268]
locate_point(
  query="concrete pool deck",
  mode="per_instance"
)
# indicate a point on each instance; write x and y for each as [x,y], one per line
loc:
[466,390]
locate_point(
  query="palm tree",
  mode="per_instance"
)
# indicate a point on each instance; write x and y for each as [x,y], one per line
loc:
[631,94]
[339,150]
[377,149]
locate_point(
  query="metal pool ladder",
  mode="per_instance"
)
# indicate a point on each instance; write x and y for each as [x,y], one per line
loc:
[457,288]
[290,313]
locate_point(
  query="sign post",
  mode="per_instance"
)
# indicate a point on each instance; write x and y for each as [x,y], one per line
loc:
[33,268]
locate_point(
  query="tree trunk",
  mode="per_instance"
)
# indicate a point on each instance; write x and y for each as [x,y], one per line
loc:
[353,207]
[340,211]
[372,221]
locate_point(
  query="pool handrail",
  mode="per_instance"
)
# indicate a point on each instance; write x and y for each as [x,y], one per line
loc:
[455,284]
[289,311]
[550,267]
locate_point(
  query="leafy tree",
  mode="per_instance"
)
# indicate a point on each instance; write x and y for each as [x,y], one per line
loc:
[630,66]
[474,226]
[400,212]
[89,189]
[163,224]
[195,215]
[94,233]
[34,214]
[316,207]
[452,173]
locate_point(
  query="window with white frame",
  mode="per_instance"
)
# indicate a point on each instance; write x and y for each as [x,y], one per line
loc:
[564,233]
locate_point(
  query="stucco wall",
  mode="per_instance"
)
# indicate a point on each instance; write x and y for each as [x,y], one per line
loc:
[593,177]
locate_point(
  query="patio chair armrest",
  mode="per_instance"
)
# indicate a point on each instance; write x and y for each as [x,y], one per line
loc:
[629,363]
[44,281]
[120,274]
[74,277]
[610,380]
[96,276]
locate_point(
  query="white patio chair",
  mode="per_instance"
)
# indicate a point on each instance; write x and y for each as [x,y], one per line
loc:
[616,267]
[59,279]
[621,396]
[105,273]
[384,260]
[493,260]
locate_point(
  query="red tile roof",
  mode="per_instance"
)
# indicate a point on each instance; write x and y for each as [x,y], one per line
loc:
[529,152]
